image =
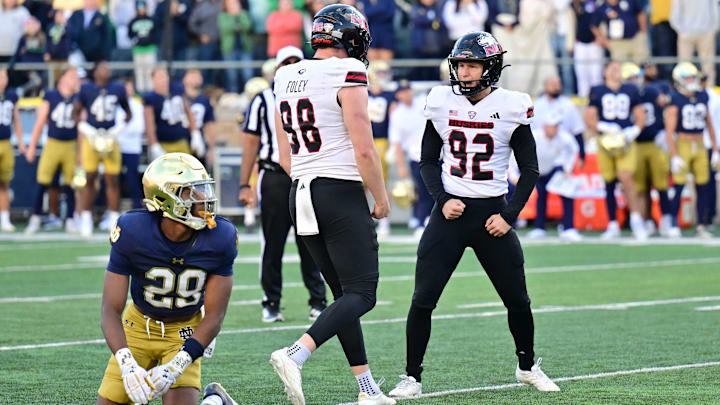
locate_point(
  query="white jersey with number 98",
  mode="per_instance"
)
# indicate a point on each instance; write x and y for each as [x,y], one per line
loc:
[306,99]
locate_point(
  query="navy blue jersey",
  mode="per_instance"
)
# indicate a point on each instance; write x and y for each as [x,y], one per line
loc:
[202,111]
[663,86]
[8,101]
[167,279]
[621,19]
[584,13]
[379,112]
[653,114]
[61,126]
[692,111]
[171,121]
[102,103]
[615,107]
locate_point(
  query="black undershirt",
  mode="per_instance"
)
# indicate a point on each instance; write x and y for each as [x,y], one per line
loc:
[522,143]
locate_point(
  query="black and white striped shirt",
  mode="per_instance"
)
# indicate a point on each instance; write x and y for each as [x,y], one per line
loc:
[260,121]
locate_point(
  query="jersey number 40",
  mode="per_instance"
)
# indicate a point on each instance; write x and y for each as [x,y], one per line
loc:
[458,148]
[306,120]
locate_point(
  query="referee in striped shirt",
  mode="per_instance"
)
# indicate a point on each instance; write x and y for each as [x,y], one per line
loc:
[260,142]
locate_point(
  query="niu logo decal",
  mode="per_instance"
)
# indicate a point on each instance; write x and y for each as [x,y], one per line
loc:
[472,114]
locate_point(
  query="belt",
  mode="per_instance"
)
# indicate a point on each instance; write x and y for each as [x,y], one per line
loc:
[270,165]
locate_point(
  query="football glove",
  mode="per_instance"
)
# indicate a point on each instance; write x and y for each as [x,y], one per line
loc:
[137,384]
[715,160]
[197,144]
[608,127]
[677,164]
[156,150]
[164,375]
[631,133]
[210,349]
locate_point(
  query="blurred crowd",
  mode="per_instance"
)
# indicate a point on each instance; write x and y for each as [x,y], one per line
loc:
[579,32]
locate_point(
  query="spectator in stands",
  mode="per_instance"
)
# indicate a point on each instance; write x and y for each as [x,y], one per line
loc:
[143,35]
[463,16]
[380,15]
[429,36]
[31,49]
[89,31]
[562,40]
[12,27]
[202,111]
[587,51]
[696,24]
[235,28]
[203,23]
[58,43]
[121,13]
[42,10]
[131,143]
[621,28]
[663,37]
[259,11]
[179,13]
[284,28]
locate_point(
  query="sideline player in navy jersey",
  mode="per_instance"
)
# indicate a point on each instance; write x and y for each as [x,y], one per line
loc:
[475,127]
[60,150]
[201,109]
[685,120]
[381,103]
[175,256]
[653,164]
[616,114]
[169,123]
[9,117]
[98,102]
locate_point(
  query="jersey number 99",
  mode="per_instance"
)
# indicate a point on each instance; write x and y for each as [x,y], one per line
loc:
[306,119]
[188,286]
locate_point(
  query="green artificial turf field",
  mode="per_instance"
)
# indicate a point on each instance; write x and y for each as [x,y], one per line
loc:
[603,312]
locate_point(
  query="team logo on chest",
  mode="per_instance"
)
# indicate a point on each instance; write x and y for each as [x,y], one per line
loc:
[472,114]
[178,260]
[185,332]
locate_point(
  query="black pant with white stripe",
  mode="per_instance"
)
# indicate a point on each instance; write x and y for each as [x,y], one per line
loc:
[441,248]
[276,222]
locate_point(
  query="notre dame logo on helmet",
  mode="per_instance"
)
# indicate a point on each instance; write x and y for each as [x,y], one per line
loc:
[115,234]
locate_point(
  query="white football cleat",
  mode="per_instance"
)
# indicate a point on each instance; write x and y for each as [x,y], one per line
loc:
[536,233]
[406,388]
[8,227]
[33,225]
[380,399]
[571,235]
[703,233]
[674,232]
[536,378]
[289,373]
[612,231]
[665,225]
[314,313]
[637,225]
[86,224]
[650,227]
[71,226]
[270,315]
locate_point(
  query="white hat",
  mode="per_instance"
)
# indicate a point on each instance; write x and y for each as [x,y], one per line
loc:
[288,52]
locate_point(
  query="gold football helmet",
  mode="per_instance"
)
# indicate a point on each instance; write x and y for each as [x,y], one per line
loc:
[268,70]
[175,184]
[686,77]
[630,72]
[403,192]
[255,86]
[379,73]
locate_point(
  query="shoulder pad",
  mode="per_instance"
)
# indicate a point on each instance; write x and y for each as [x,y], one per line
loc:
[519,106]
[346,72]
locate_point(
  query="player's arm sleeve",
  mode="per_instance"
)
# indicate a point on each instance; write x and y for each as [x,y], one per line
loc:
[430,164]
[209,113]
[594,98]
[229,253]
[253,118]
[119,257]
[522,143]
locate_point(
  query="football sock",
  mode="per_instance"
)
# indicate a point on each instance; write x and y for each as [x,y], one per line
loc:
[212,400]
[38,203]
[676,202]
[4,217]
[665,206]
[367,383]
[568,220]
[69,201]
[702,204]
[610,202]
[299,353]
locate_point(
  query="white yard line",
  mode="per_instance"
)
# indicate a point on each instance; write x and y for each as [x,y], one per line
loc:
[481,305]
[545,309]
[562,379]
[709,308]
[458,274]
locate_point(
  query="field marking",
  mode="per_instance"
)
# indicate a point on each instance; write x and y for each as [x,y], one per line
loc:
[709,308]
[540,310]
[480,305]
[457,274]
[562,379]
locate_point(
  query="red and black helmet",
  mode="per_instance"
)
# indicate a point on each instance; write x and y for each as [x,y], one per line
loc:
[341,26]
[476,47]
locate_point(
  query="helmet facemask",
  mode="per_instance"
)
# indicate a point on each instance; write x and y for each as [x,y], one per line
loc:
[193,204]
[488,78]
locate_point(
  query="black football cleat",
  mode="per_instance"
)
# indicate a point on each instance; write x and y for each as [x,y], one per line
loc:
[217,389]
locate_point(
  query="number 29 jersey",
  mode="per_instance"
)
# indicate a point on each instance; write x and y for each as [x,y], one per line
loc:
[168,279]
[306,99]
[476,138]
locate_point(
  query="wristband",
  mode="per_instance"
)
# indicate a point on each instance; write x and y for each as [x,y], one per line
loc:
[193,348]
[242,186]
